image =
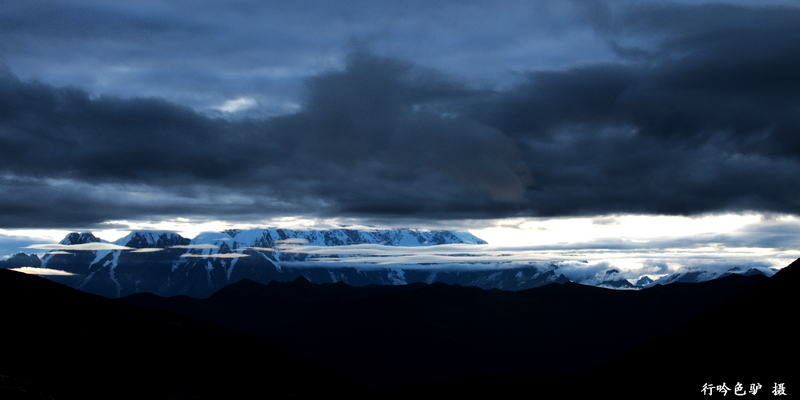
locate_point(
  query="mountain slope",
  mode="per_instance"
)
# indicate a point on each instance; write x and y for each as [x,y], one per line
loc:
[60,342]
[749,339]
[393,335]
[463,340]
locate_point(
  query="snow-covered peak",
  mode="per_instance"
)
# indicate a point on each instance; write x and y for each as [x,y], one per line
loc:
[644,281]
[215,238]
[79,238]
[271,237]
[467,238]
[152,239]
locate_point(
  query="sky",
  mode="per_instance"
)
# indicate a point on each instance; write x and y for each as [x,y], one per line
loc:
[673,124]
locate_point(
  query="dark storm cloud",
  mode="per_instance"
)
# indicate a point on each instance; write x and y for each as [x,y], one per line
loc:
[212,52]
[383,115]
[698,113]
[370,139]
[196,56]
[63,133]
[707,121]
[715,69]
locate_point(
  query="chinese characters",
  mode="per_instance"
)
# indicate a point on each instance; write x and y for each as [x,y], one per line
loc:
[778,389]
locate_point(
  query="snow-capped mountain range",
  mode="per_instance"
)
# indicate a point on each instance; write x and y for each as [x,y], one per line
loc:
[165,263]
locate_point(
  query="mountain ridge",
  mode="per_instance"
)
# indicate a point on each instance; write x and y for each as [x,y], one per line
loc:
[130,352]
[167,264]
[457,323]
[351,328]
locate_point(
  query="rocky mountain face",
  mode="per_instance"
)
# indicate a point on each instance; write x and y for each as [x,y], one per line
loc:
[80,238]
[151,239]
[21,260]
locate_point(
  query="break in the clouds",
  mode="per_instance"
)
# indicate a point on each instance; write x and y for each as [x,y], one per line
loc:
[112,111]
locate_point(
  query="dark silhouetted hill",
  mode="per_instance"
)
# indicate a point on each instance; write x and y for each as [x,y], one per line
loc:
[750,339]
[61,343]
[251,340]
[400,337]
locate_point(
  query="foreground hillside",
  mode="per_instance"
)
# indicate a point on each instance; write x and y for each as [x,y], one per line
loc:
[556,341]
[419,333]
[61,343]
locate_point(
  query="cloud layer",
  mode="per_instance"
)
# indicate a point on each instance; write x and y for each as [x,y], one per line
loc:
[691,109]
